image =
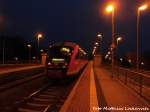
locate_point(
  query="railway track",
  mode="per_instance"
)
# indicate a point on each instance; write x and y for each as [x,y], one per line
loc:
[6,86]
[47,99]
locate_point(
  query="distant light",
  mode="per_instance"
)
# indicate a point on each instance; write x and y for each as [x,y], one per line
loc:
[111,48]
[106,56]
[41,50]
[34,57]
[121,59]
[96,43]
[16,58]
[109,52]
[84,53]
[29,45]
[95,47]
[130,60]
[109,58]
[49,63]
[50,46]
[142,63]
[93,51]
[39,35]
[119,39]
[99,36]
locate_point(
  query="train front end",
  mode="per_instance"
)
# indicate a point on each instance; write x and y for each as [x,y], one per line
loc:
[58,61]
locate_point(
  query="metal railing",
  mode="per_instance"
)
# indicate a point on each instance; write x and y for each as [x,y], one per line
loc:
[137,81]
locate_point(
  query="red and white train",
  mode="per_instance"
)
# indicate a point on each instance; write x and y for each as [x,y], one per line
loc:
[65,59]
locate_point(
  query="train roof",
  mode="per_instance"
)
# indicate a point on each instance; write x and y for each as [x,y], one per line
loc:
[69,44]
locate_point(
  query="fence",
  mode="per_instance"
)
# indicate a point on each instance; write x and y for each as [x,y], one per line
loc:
[137,81]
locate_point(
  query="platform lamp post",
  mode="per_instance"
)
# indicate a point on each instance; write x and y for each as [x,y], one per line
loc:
[111,9]
[41,51]
[99,38]
[29,46]
[117,54]
[141,8]
[39,36]
[3,51]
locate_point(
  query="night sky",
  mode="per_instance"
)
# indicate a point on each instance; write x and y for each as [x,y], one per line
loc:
[75,20]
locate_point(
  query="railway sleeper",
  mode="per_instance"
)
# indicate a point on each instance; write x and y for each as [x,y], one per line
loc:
[47,96]
[28,110]
[33,107]
[42,99]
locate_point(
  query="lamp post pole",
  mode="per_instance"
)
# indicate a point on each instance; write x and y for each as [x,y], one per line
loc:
[29,46]
[38,49]
[113,38]
[3,51]
[111,8]
[141,8]
[117,51]
[137,42]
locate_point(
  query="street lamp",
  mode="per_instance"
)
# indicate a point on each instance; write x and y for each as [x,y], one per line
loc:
[121,59]
[118,40]
[99,41]
[141,8]
[39,36]
[96,43]
[29,46]
[109,52]
[99,36]
[111,9]
[41,50]
[3,51]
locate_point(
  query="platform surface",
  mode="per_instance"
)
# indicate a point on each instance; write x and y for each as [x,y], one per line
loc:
[96,91]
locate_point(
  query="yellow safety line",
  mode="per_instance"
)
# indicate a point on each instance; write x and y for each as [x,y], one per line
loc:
[69,100]
[93,93]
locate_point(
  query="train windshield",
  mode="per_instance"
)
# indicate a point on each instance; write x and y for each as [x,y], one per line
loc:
[60,53]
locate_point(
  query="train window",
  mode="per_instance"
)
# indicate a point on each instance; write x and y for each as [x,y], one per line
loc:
[80,55]
[65,51]
[60,52]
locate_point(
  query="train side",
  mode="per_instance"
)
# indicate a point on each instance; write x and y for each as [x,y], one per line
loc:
[65,59]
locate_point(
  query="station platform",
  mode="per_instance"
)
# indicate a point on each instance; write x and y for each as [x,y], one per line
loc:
[18,67]
[97,91]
